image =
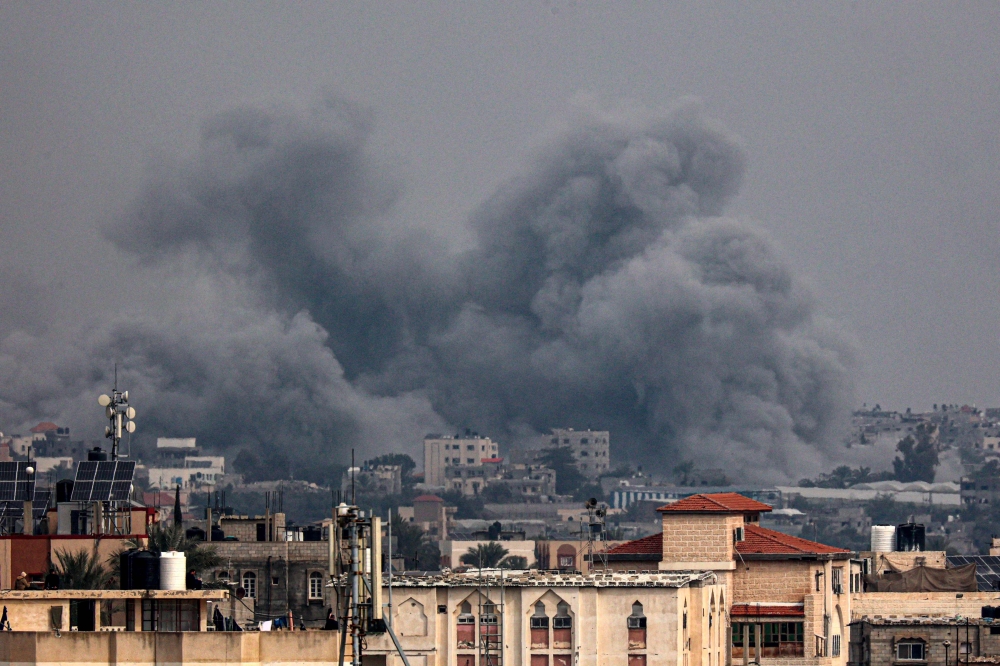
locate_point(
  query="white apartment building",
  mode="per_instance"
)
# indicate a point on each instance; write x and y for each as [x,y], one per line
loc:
[590,448]
[441,451]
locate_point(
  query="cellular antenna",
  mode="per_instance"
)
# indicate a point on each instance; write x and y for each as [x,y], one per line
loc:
[120,414]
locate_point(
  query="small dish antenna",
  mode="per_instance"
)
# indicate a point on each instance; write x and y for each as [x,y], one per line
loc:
[104,400]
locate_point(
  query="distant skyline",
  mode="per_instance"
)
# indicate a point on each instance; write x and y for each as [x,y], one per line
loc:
[871,134]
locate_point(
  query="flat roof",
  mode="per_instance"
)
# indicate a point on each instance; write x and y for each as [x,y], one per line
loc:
[38,595]
[534,578]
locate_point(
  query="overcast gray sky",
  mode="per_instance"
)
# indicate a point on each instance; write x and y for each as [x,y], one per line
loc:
[872,133]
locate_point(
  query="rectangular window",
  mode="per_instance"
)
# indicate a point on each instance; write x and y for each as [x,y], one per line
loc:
[838,581]
[539,622]
[315,586]
[539,660]
[835,646]
[562,622]
[470,460]
[911,651]
[562,660]
[637,660]
[466,660]
[566,561]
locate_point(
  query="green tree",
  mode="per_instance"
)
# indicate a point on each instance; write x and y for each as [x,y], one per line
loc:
[514,562]
[413,545]
[920,456]
[82,571]
[466,507]
[165,539]
[497,493]
[485,556]
[568,476]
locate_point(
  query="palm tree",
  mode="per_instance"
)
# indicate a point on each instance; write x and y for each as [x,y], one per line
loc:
[82,571]
[165,539]
[486,556]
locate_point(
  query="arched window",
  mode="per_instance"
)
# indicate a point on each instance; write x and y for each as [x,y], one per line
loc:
[539,620]
[562,620]
[250,584]
[636,628]
[562,627]
[466,629]
[315,585]
[539,627]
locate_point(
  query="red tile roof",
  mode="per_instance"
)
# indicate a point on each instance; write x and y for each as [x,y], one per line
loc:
[492,460]
[44,426]
[716,503]
[762,541]
[767,610]
[757,541]
[644,546]
[428,498]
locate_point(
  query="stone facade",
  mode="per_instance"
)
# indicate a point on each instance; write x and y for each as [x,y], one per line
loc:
[926,641]
[683,618]
[699,541]
[283,576]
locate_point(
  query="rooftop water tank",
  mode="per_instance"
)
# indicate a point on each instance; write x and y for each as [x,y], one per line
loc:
[883,538]
[172,574]
[910,537]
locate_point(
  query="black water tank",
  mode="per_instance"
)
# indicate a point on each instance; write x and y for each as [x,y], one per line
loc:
[312,533]
[217,533]
[97,453]
[988,611]
[145,571]
[64,490]
[909,537]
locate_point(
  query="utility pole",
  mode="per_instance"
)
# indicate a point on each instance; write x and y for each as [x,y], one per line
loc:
[119,413]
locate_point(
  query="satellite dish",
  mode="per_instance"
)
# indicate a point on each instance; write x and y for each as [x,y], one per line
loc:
[240,593]
[29,470]
[103,400]
[107,431]
[125,396]
[130,426]
[109,411]
[130,412]
[592,502]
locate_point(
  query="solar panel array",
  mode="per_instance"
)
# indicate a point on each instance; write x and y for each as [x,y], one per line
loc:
[103,481]
[987,569]
[16,485]
[39,506]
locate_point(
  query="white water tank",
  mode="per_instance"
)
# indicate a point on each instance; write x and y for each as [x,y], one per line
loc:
[172,574]
[883,538]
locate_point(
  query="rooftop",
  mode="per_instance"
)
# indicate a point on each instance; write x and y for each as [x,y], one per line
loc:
[758,541]
[762,541]
[427,498]
[535,578]
[716,503]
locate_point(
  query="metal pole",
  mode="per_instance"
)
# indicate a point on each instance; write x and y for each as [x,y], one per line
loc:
[355,574]
[375,582]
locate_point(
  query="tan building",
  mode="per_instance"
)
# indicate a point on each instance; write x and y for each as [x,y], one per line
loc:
[551,619]
[789,596]
[441,452]
[590,448]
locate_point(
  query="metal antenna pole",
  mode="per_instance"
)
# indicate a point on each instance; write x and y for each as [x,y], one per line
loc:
[389,622]
[355,575]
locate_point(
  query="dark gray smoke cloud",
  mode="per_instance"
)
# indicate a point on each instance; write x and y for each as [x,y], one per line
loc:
[605,290]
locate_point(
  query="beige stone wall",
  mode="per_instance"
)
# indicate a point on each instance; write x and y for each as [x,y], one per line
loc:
[98,648]
[931,604]
[699,539]
[777,581]
[600,626]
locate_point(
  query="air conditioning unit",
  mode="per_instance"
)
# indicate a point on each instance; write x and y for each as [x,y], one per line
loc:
[738,534]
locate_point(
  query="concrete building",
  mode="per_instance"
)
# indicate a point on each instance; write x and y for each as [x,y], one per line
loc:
[591,449]
[552,619]
[278,577]
[382,479]
[790,597]
[441,452]
[934,641]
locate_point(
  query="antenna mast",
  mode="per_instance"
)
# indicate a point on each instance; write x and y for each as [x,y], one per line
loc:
[119,413]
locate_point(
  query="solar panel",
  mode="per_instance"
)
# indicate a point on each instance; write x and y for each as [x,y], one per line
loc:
[16,485]
[103,481]
[121,486]
[987,569]
[39,506]
[83,485]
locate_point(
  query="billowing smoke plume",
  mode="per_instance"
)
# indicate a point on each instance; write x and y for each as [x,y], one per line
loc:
[605,290]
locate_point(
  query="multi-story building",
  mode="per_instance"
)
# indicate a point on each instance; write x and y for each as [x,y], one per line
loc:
[590,448]
[555,619]
[790,598]
[441,452]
